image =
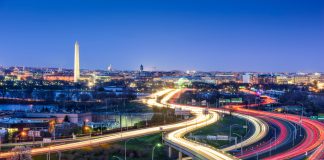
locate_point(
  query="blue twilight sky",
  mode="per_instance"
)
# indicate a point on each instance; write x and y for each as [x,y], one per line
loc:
[209,35]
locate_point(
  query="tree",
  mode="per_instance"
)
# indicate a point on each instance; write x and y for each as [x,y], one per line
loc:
[66,119]
[21,153]
[85,97]
[61,97]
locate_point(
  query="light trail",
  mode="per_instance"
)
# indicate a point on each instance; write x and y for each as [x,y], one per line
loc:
[314,133]
[280,139]
[177,137]
[261,127]
[107,138]
[152,102]
[111,137]
[261,130]
[207,152]
[318,153]
[314,130]
[314,136]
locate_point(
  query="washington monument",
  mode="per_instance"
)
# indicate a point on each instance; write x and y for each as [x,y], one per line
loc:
[76,62]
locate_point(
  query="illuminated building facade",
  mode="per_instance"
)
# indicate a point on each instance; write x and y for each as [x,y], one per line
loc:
[59,77]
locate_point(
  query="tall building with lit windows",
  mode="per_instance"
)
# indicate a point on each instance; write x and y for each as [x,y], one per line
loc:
[76,62]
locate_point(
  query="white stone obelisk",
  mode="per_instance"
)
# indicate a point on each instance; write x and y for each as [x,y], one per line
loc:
[76,62]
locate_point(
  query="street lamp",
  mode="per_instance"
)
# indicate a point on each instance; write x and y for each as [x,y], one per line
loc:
[101,128]
[23,134]
[87,128]
[52,127]
[240,142]
[275,129]
[59,154]
[126,148]
[300,119]
[157,145]
[302,110]
[230,134]
[294,134]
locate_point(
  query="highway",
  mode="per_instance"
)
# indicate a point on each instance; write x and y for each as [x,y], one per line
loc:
[177,137]
[314,133]
[207,152]
[312,146]
[114,137]
[261,130]
[261,127]
[318,153]
[69,140]
[274,142]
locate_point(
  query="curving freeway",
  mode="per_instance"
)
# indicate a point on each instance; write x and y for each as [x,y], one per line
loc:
[261,130]
[113,137]
[261,127]
[200,150]
[281,138]
[204,151]
[312,146]
[175,137]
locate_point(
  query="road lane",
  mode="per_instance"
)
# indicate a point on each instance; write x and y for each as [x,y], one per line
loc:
[314,133]
[177,137]
[112,137]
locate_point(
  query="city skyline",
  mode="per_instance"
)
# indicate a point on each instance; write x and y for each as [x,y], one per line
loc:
[161,79]
[268,36]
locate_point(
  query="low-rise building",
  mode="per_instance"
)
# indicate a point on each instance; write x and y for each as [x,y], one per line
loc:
[282,79]
[301,79]
[59,117]
[59,77]
[23,124]
[266,79]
